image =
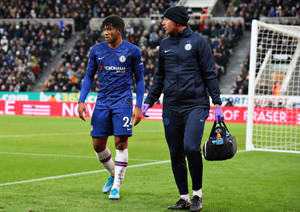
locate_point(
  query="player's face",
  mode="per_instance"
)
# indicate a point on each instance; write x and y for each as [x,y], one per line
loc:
[169,26]
[111,34]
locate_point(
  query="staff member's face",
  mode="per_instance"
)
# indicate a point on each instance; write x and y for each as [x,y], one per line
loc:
[111,34]
[169,26]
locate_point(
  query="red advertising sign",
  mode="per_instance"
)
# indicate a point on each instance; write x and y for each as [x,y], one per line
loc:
[239,115]
[69,109]
[38,108]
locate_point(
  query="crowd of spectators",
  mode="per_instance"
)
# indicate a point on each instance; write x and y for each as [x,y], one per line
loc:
[265,43]
[81,11]
[24,51]
[254,9]
[223,38]
[240,85]
[71,70]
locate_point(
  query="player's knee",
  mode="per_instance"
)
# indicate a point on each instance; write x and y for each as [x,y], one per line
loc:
[99,147]
[99,143]
[121,146]
[121,142]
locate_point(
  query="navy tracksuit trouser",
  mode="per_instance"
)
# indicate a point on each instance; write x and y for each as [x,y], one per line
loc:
[183,132]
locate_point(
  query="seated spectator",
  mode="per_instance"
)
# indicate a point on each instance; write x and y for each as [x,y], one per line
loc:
[214,32]
[244,87]
[228,102]
[219,70]
[273,12]
[276,88]
[234,89]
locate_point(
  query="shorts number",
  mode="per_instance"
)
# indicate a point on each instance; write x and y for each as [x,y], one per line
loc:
[127,121]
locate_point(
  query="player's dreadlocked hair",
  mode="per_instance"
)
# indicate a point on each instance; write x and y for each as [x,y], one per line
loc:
[114,21]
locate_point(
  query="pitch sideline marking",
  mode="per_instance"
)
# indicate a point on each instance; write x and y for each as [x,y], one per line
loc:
[79,173]
[69,133]
[58,155]
[83,173]
[70,156]
[42,134]
[46,155]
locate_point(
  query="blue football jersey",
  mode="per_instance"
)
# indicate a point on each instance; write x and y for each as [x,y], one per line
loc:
[115,75]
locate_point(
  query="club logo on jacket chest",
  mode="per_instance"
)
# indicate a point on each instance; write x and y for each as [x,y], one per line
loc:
[188,47]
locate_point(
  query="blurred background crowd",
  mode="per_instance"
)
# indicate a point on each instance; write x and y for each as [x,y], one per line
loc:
[27,48]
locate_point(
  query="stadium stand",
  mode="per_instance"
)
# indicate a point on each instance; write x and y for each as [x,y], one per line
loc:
[240,85]
[71,70]
[203,7]
[72,67]
[81,11]
[252,9]
[25,50]
[69,79]
[277,12]
[223,37]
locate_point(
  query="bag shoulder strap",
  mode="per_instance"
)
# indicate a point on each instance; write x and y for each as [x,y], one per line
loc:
[212,129]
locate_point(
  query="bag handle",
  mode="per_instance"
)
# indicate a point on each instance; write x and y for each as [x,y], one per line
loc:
[215,124]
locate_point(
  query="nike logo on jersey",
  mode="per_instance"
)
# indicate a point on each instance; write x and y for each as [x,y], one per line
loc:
[100,58]
[167,50]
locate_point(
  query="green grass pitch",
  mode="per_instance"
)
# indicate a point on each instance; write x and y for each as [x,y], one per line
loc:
[38,148]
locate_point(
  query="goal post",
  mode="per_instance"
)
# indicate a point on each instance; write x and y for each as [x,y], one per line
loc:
[273,120]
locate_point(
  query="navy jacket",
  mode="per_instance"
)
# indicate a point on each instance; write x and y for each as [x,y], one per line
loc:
[186,72]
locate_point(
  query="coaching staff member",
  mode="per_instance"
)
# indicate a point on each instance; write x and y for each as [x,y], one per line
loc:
[186,72]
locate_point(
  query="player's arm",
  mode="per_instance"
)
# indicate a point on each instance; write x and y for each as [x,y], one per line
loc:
[87,83]
[208,67]
[158,83]
[140,87]
[207,64]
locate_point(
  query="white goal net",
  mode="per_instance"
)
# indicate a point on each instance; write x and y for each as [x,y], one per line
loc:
[273,122]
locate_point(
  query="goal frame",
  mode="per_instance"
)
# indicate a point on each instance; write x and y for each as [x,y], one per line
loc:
[252,82]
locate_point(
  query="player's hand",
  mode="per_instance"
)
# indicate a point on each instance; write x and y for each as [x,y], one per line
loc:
[145,107]
[136,116]
[81,110]
[219,116]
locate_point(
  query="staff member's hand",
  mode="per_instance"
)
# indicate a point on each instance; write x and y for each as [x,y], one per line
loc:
[219,116]
[145,107]
[137,115]
[81,110]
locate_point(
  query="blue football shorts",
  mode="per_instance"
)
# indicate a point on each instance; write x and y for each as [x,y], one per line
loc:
[106,122]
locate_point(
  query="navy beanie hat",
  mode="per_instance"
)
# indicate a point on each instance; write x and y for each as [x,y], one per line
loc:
[177,14]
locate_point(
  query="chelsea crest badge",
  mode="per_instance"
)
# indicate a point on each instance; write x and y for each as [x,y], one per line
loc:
[122,58]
